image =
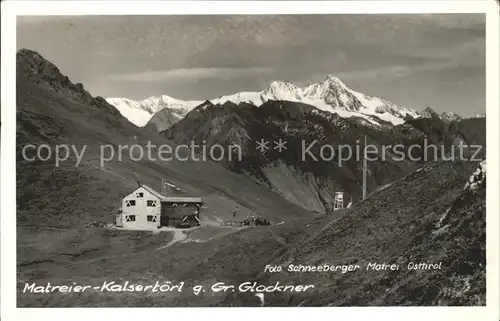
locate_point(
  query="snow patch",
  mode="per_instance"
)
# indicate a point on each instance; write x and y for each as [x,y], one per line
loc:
[443,217]
[136,116]
[172,185]
[440,231]
[477,178]
[241,97]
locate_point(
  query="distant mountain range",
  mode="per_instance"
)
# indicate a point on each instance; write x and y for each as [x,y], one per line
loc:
[307,182]
[330,95]
[140,112]
[328,112]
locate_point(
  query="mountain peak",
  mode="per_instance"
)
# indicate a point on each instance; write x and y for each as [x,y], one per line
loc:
[334,80]
[450,116]
[33,67]
[280,84]
[30,63]
[428,112]
[206,104]
[281,90]
[30,55]
[140,112]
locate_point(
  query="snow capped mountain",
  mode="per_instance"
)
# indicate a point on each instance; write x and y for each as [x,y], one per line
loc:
[281,90]
[333,92]
[241,97]
[450,116]
[140,112]
[330,95]
[428,112]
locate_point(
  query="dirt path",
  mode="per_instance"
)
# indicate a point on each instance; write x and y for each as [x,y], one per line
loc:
[179,236]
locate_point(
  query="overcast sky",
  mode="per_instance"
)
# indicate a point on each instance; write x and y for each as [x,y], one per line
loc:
[413,60]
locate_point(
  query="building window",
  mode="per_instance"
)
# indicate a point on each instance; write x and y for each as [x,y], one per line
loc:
[130,203]
[139,195]
[129,218]
[151,203]
[152,218]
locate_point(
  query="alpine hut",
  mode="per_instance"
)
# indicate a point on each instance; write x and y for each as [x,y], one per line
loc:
[146,208]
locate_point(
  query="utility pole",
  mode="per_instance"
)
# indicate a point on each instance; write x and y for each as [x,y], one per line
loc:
[364,169]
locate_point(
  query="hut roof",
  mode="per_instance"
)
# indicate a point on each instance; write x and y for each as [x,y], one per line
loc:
[171,199]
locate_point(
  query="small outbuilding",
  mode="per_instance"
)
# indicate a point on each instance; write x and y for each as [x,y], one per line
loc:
[146,208]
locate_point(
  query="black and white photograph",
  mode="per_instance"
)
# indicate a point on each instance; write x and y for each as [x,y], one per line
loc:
[250,160]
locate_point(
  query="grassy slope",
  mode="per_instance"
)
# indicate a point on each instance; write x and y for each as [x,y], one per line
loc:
[371,231]
[399,225]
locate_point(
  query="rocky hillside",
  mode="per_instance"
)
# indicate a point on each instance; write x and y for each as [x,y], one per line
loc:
[307,179]
[310,179]
[427,216]
[165,118]
[447,135]
[434,220]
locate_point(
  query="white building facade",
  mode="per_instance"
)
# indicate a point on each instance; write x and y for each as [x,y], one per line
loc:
[145,208]
[140,209]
